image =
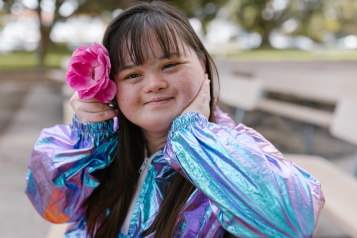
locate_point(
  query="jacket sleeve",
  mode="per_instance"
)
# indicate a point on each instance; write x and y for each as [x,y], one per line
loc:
[253,190]
[60,176]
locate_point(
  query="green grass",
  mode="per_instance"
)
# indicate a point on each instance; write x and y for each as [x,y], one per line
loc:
[22,60]
[18,60]
[291,55]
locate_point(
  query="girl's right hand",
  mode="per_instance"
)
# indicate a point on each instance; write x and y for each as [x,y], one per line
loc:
[200,103]
[92,110]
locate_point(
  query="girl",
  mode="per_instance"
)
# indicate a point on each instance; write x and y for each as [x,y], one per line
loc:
[178,166]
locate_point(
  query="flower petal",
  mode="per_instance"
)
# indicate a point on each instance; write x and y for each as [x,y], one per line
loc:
[78,82]
[84,96]
[82,69]
[99,49]
[99,70]
[84,56]
[83,62]
[88,94]
[107,60]
[108,93]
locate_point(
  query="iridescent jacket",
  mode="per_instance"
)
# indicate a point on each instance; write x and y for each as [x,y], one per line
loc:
[244,185]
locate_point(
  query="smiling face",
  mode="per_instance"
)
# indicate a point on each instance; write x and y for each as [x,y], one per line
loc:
[153,94]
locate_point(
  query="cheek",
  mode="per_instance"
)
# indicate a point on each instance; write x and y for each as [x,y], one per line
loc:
[127,100]
[189,84]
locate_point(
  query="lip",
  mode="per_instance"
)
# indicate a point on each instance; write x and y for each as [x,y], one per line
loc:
[159,101]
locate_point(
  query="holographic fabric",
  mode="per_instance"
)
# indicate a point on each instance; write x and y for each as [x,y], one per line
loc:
[244,185]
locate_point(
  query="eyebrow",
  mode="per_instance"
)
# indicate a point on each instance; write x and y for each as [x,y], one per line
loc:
[130,66]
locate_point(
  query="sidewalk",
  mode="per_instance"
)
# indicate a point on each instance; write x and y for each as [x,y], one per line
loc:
[41,107]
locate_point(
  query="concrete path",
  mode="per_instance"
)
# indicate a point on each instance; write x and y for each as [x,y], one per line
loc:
[40,107]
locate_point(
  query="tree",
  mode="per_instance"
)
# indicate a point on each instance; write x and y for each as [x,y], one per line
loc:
[46,25]
[263,16]
[337,17]
[205,10]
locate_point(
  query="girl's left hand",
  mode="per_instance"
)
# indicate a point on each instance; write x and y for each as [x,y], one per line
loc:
[200,103]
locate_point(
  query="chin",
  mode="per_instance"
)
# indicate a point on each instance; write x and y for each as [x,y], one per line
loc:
[157,123]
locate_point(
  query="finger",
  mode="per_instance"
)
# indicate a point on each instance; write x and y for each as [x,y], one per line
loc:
[205,88]
[103,116]
[96,117]
[113,102]
[88,100]
[205,95]
[93,107]
[203,82]
[75,97]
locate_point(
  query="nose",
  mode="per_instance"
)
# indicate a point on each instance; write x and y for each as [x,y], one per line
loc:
[154,83]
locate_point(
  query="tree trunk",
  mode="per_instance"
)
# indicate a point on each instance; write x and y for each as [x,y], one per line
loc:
[266,27]
[45,38]
[44,43]
[265,40]
[265,37]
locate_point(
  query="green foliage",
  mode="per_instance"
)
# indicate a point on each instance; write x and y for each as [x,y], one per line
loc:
[205,10]
[272,55]
[261,16]
[21,60]
[314,18]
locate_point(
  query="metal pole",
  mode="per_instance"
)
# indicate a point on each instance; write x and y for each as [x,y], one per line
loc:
[239,115]
[309,139]
[354,172]
[309,133]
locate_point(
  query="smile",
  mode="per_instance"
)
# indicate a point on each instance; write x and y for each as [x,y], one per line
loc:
[159,101]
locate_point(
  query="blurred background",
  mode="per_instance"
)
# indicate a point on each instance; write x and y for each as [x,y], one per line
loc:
[287,69]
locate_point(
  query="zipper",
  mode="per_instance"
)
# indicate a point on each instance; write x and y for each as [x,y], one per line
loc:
[143,173]
[146,161]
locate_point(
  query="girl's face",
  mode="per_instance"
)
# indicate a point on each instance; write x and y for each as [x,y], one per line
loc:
[152,95]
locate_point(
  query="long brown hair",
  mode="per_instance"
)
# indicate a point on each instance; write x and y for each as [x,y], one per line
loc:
[129,33]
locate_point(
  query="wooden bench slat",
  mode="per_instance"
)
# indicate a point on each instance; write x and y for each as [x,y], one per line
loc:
[300,113]
[344,125]
[242,93]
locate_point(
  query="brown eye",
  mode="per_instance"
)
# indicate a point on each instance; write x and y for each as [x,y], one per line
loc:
[132,76]
[169,65]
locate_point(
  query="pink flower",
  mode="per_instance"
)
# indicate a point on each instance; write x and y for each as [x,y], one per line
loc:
[88,73]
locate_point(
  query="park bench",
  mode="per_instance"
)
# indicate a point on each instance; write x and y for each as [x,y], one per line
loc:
[344,124]
[296,112]
[246,93]
[340,188]
[240,93]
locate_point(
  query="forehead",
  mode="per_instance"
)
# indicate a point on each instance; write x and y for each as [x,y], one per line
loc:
[136,51]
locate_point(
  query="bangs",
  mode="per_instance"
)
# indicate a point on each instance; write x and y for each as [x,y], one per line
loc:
[135,36]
